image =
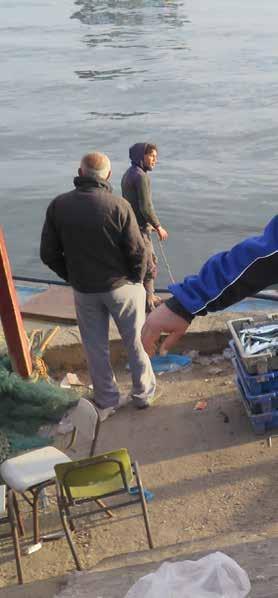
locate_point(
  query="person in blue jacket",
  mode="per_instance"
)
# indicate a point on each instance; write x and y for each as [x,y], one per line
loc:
[224,279]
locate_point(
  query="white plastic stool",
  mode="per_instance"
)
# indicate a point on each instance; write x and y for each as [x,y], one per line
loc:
[31,472]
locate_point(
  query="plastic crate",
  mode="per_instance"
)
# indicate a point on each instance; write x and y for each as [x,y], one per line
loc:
[263,362]
[257,384]
[261,423]
[263,403]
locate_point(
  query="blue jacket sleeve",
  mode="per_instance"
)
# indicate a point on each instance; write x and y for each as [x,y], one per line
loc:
[230,276]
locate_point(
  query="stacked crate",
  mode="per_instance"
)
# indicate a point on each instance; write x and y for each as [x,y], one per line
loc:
[256,377]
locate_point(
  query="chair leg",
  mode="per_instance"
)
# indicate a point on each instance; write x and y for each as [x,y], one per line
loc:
[69,538]
[19,519]
[14,530]
[69,518]
[36,526]
[103,506]
[143,504]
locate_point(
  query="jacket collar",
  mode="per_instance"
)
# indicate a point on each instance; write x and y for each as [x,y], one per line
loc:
[87,183]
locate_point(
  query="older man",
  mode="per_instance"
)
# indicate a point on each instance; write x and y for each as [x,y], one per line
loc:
[91,239]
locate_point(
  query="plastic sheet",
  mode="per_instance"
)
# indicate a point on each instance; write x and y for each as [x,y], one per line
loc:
[147,493]
[169,363]
[213,576]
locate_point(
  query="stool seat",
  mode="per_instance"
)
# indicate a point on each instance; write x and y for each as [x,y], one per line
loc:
[31,468]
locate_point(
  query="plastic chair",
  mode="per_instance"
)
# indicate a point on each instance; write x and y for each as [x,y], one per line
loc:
[8,512]
[33,471]
[108,475]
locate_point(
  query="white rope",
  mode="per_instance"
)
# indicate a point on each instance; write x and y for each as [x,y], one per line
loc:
[166,262]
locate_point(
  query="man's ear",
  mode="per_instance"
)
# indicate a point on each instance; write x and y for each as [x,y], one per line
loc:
[80,172]
[109,175]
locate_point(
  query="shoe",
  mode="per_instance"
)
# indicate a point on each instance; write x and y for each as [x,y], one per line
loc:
[140,404]
[105,413]
[123,401]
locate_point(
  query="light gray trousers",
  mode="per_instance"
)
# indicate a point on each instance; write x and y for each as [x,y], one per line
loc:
[127,307]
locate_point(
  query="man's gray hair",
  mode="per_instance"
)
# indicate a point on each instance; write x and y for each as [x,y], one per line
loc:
[96,164]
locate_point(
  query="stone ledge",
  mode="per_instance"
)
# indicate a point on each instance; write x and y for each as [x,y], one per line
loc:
[208,335]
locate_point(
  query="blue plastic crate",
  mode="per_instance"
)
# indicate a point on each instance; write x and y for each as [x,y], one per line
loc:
[263,403]
[260,363]
[257,384]
[261,423]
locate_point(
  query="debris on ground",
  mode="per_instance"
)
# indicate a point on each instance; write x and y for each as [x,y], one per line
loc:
[200,406]
[206,360]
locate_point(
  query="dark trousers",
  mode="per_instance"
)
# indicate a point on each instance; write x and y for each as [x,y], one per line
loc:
[151,267]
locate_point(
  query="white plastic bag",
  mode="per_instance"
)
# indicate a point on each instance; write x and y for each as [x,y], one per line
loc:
[214,576]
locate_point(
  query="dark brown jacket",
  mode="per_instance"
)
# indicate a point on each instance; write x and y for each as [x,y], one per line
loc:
[136,188]
[91,239]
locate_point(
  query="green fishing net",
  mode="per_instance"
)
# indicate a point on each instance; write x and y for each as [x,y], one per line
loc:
[25,406]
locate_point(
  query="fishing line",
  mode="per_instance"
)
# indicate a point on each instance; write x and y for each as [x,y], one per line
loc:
[166,262]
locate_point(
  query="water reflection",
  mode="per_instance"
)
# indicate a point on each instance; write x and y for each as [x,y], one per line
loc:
[111,40]
[109,74]
[116,115]
[135,41]
[108,13]
[130,12]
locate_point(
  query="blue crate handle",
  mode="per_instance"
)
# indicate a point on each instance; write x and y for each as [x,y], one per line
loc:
[270,394]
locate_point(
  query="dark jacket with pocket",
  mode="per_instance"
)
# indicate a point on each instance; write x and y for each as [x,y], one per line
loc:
[91,239]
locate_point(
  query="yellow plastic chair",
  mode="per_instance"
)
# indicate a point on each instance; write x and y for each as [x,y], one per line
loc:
[90,480]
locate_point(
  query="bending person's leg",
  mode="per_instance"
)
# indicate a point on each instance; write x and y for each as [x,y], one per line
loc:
[127,306]
[93,321]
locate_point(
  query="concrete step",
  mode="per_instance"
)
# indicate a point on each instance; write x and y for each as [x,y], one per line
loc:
[257,557]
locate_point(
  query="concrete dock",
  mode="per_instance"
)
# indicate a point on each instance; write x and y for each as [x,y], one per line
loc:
[215,483]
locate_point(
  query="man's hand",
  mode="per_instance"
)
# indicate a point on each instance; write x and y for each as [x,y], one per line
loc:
[162,233]
[162,319]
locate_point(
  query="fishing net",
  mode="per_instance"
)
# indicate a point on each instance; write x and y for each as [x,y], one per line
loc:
[27,404]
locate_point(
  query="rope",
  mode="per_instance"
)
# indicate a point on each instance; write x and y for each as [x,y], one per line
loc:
[38,342]
[166,262]
[40,370]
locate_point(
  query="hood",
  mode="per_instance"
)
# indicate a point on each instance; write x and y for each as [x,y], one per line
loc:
[136,154]
[85,183]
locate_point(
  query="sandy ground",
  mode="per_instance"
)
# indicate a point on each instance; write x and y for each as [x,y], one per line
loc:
[214,481]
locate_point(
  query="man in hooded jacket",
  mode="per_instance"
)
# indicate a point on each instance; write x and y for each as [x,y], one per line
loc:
[136,188]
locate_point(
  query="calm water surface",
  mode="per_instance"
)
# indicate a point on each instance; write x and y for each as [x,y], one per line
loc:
[198,78]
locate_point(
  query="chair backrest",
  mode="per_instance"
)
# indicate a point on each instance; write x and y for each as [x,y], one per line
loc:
[96,476]
[85,419]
